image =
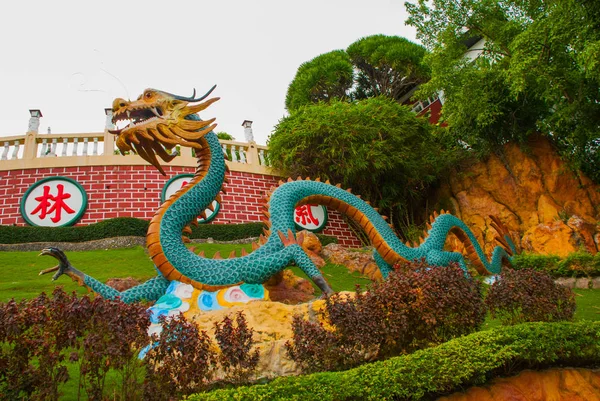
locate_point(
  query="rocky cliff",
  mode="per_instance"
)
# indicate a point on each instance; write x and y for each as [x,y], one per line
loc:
[552,209]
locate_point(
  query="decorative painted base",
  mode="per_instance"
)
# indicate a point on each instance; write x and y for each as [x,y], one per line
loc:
[183,298]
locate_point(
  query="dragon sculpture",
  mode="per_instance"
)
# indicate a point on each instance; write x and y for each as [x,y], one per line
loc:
[159,121]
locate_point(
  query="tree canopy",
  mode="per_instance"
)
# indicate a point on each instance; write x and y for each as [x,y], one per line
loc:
[387,65]
[376,146]
[225,136]
[538,70]
[371,66]
[325,77]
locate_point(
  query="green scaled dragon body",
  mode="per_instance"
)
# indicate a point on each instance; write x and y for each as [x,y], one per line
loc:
[159,121]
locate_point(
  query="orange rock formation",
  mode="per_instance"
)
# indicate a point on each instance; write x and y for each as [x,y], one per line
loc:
[554,384]
[553,209]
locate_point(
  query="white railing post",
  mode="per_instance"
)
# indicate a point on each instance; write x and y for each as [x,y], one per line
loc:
[225,151]
[5,152]
[65,146]
[85,146]
[95,151]
[53,148]
[15,154]
[44,145]
[75,146]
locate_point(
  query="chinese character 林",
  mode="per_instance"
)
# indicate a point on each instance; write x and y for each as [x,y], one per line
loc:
[49,204]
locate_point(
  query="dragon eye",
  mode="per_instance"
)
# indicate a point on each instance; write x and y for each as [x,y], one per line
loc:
[148,94]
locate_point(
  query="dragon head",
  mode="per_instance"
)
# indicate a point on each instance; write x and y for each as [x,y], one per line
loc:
[157,121]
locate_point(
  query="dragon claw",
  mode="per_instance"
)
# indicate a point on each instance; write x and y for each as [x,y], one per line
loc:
[63,267]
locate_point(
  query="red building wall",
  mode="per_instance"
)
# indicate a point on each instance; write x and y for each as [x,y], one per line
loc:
[134,191]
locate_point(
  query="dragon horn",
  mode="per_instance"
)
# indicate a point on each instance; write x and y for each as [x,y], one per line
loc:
[191,98]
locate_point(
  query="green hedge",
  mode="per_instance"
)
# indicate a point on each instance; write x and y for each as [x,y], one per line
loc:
[578,264]
[126,226]
[452,366]
[106,229]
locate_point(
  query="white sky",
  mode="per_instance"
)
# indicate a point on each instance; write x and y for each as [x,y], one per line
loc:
[53,53]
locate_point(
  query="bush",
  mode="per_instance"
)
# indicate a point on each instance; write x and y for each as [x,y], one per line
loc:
[122,226]
[529,296]
[180,361]
[452,366]
[227,232]
[37,335]
[235,343]
[577,264]
[417,306]
[128,226]
[326,239]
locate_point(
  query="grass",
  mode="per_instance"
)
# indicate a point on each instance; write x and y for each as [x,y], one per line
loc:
[20,279]
[588,305]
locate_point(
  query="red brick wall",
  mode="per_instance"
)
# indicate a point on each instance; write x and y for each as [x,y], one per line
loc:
[134,191]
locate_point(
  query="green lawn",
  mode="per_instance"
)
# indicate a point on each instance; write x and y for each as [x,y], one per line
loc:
[588,305]
[20,278]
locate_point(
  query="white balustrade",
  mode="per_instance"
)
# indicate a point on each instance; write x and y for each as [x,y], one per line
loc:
[248,156]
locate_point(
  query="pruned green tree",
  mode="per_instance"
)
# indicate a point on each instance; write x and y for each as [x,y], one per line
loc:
[325,77]
[376,146]
[372,66]
[387,65]
[225,136]
[537,70]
